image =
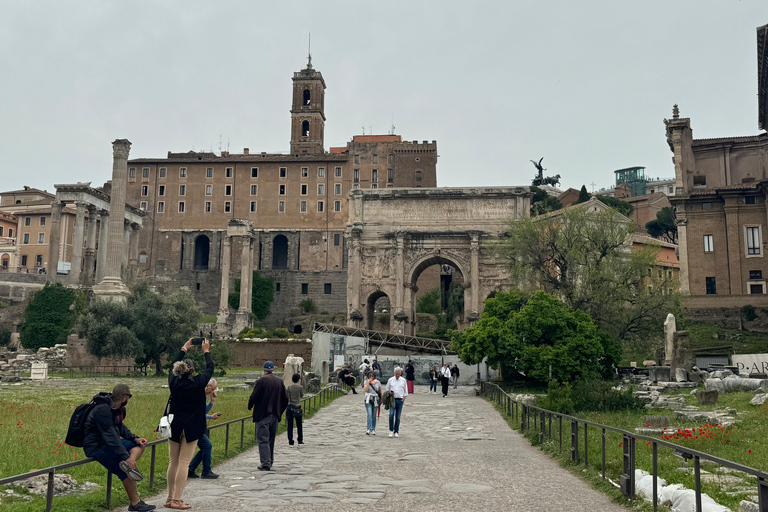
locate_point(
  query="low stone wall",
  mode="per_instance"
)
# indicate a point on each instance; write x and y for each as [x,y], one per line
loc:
[78,356]
[255,352]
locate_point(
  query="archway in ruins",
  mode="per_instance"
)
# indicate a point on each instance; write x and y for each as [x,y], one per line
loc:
[446,236]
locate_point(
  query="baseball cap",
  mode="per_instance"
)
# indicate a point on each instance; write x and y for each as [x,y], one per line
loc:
[269,365]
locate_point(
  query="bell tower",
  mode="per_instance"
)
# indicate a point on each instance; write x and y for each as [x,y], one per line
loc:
[308,112]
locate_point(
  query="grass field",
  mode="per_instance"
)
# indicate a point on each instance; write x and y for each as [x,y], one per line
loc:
[745,442]
[33,424]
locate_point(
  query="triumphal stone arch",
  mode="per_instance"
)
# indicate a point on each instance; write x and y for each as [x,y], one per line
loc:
[395,234]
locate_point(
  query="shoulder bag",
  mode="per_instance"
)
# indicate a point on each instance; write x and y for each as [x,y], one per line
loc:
[164,428]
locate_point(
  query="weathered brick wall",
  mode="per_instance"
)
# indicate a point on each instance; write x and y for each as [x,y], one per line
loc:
[256,353]
[289,296]
[78,355]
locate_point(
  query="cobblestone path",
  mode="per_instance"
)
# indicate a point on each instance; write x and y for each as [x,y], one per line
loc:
[454,453]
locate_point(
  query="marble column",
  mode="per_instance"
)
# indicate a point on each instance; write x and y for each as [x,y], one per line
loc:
[112,287]
[126,250]
[101,252]
[75,270]
[400,278]
[133,252]
[223,315]
[90,247]
[243,317]
[53,242]
[353,281]
[474,247]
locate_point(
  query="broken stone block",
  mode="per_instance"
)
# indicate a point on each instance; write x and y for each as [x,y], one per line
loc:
[707,397]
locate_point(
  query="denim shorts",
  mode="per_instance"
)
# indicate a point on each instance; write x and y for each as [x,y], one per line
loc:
[111,460]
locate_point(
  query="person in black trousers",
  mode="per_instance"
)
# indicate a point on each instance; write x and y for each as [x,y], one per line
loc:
[268,401]
[187,404]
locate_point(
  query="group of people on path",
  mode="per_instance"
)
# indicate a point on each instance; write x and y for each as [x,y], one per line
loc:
[445,376]
[108,440]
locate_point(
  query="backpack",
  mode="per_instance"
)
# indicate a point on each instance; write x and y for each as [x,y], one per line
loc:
[76,430]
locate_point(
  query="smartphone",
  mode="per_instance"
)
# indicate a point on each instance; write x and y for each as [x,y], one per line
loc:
[197,341]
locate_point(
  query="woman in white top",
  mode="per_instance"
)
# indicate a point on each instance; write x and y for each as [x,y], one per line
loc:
[445,373]
[372,388]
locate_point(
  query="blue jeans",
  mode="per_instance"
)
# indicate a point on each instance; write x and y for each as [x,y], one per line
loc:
[203,455]
[394,415]
[111,460]
[433,385]
[371,409]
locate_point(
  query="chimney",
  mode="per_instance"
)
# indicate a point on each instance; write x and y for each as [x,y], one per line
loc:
[245,151]
[225,153]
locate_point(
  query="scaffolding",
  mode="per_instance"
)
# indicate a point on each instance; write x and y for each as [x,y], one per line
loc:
[374,340]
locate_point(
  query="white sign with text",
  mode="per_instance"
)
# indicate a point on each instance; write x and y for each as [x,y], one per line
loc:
[751,363]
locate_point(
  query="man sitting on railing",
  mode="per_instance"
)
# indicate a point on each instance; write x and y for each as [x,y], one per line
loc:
[204,443]
[109,441]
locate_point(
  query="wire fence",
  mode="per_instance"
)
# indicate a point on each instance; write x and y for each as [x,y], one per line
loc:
[310,404]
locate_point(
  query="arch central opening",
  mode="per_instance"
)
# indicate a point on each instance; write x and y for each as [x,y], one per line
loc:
[378,312]
[439,296]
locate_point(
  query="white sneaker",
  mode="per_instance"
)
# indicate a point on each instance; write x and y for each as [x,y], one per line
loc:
[391,434]
[373,432]
[367,432]
[397,435]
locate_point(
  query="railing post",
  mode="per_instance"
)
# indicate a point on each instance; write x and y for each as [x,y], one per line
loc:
[226,442]
[524,416]
[762,494]
[586,446]
[627,483]
[697,481]
[560,420]
[655,477]
[152,467]
[543,425]
[575,441]
[242,433]
[109,489]
[604,453]
[49,493]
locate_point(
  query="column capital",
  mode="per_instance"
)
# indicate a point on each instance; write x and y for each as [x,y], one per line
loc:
[121,148]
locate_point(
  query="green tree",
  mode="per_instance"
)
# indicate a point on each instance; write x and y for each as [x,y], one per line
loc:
[261,297]
[620,206]
[147,327]
[663,225]
[429,302]
[541,202]
[583,195]
[586,259]
[48,318]
[543,332]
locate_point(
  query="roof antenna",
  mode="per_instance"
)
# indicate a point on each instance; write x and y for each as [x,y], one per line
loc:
[309,52]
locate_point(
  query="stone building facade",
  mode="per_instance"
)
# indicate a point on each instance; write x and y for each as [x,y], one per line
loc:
[297,204]
[720,204]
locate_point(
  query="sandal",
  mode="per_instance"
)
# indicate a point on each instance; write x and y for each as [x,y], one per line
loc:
[168,502]
[180,505]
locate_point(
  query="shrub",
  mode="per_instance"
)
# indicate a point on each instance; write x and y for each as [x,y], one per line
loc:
[558,398]
[48,318]
[598,395]
[207,319]
[5,337]
[429,302]
[308,306]
[256,332]
[281,332]
[749,312]
[262,295]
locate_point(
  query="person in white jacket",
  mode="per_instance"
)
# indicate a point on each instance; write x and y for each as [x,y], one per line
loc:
[396,386]
[445,374]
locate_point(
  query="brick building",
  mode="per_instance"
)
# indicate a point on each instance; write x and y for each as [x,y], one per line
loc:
[296,201]
[720,202]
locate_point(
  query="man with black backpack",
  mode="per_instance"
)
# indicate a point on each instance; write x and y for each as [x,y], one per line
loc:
[108,440]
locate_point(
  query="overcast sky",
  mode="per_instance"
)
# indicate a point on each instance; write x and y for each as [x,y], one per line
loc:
[586,85]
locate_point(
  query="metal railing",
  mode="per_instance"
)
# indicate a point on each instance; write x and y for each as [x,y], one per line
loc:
[310,403]
[541,418]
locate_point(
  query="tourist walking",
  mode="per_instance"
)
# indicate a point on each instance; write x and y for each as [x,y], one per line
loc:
[293,412]
[433,376]
[397,388]
[108,440]
[187,405]
[268,401]
[204,443]
[445,378]
[362,369]
[372,388]
[376,368]
[455,375]
[410,376]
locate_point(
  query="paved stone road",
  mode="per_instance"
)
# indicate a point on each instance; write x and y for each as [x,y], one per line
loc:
[453,453]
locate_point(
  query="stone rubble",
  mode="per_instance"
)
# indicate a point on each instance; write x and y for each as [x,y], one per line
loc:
[63,485]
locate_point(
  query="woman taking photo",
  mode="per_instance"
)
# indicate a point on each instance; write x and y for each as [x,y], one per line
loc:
[187,404]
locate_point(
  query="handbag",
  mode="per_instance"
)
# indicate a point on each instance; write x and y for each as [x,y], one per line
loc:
[164,428]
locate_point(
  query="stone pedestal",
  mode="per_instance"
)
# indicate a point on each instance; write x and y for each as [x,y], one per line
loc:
[292,365]
[39,370]
[324,370]
[659,374]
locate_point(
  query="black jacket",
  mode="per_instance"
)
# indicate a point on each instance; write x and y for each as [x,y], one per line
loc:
[268,397]
[455,371]
[104,427]
[409,372]
[188,401]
